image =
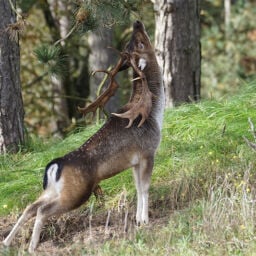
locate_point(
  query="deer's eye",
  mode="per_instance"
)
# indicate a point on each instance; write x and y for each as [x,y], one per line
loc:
[140,45]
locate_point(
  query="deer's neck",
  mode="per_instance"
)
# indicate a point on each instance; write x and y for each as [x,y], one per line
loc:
[155,83]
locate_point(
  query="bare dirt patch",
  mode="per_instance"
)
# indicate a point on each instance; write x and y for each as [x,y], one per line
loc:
[76,231]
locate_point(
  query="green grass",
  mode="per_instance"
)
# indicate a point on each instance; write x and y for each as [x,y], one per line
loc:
[203,184]
[21,174]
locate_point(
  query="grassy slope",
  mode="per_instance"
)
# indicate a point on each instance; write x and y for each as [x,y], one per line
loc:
[203,182]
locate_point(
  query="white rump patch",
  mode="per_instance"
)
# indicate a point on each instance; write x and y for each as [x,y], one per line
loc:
[142,63]
[53,187]
[51,173]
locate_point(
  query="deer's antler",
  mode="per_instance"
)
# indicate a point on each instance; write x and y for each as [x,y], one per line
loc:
[101,101]
[141,102]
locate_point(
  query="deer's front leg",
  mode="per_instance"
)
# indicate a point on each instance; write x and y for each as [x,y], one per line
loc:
[142,176]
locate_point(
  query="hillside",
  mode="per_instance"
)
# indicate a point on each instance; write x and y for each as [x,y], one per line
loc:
[201,198]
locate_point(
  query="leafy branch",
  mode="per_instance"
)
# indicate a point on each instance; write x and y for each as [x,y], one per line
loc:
[54,58]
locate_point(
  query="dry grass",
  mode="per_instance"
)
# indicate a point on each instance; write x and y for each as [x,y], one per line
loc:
[81,231]
[222,222]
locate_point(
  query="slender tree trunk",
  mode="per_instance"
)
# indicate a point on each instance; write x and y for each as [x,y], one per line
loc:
[101,57]
[177,43]
[59,12]
[227,8]
[11,105]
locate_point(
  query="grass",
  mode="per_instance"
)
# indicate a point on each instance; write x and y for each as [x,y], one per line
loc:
[202,194]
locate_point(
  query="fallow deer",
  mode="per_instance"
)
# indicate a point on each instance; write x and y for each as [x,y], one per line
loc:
[118,145]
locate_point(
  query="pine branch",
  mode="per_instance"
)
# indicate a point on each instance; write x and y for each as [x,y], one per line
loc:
[63,96]
[68,34]
[36,80]
[89,15]
[53,57]
[14,10]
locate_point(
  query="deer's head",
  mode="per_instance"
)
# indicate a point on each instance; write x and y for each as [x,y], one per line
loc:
[139,41]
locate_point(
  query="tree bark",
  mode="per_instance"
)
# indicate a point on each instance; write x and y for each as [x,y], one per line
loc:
[101,57]
[59,13]
[11,104]
[227,9]
[177,45]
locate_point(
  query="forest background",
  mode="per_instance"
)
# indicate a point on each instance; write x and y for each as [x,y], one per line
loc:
[203,191]
[228,57]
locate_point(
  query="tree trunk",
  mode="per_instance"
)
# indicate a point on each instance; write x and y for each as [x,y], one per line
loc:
[75,83]
[177,44]
[11,105]
[101,57]
[227,8]
[59,12]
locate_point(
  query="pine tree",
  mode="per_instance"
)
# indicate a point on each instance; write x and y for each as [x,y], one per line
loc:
[11,105]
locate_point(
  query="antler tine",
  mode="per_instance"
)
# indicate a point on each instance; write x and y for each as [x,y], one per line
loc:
[115,69]
[109,92]
[103,71]
[143,105]
[131,116]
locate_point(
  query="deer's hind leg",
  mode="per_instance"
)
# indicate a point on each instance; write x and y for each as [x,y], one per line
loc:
[45,211]
[142,176]
[29,213]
